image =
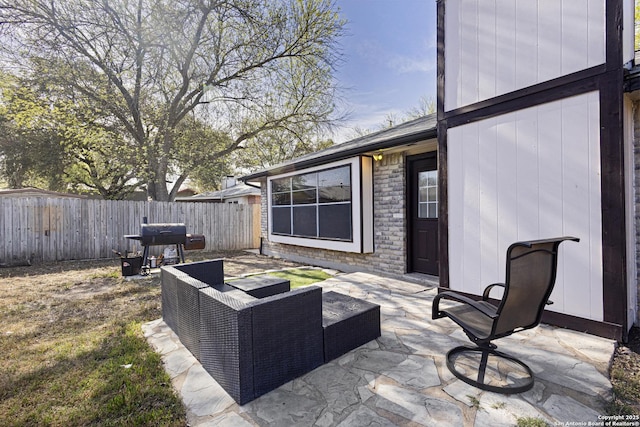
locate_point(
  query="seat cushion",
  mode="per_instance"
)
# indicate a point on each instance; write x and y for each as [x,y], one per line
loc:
[348,323]
[472,320]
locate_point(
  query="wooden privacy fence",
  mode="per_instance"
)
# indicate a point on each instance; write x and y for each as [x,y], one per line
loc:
[56,229]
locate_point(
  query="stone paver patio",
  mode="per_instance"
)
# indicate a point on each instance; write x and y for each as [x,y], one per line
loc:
[401,378]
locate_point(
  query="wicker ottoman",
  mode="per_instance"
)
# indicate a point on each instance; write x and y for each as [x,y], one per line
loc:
[348,323]
[261,286]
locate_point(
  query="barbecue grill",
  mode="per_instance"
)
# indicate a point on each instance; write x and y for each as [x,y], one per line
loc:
[165,235]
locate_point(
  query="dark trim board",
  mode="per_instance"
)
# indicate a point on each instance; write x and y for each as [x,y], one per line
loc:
[602,329]
[613,17]
[443,204]
[614,246]
[613,200]
[551,90]
[440,61]
[443,170]
[606,78]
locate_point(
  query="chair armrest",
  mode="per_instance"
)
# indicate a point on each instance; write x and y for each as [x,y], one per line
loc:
[436,313]
[487,290]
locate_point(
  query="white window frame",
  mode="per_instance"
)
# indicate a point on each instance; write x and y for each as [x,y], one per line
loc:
[361,209]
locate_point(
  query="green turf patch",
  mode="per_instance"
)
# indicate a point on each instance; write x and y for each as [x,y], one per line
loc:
[302,276]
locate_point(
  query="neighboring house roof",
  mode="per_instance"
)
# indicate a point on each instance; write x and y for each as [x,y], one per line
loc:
[412,131]
[239,190]
[36,192]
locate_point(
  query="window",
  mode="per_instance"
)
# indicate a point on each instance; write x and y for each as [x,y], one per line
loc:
[313,205]
[327,207]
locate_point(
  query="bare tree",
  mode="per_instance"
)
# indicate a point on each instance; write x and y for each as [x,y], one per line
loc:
[242,67]
[426,105]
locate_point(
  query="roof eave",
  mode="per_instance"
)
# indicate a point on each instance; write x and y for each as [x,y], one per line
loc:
[632,79]
[341,155]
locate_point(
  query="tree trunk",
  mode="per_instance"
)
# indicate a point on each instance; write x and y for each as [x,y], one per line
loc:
[176,187]
[157,183]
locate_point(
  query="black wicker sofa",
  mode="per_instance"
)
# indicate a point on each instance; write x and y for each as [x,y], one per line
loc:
[251,345]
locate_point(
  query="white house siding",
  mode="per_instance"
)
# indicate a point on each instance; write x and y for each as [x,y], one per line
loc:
[628,28]
[529,174]
[494,47]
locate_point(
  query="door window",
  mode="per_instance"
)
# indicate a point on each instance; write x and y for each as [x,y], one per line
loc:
[428,194]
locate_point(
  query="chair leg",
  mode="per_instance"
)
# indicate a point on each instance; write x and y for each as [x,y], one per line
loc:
[483,366]
[495,370]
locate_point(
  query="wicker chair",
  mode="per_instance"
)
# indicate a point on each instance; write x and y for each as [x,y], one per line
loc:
[251,346]
[210,272]
[181,298]
[530,277]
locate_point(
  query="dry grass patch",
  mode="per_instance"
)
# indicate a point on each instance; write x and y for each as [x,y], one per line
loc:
[72,347]
[73,350]
[625,377]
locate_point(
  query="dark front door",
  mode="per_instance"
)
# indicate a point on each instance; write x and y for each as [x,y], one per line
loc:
[423,214]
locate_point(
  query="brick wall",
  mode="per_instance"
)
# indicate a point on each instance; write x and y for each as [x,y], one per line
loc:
[389,227]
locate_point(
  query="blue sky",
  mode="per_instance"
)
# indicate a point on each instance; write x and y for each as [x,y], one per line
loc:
[389,59]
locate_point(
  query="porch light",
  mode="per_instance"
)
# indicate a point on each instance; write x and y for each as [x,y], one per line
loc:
[377,156]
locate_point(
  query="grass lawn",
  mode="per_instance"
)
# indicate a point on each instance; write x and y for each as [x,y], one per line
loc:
[72,348]
[625,377]
[73,352]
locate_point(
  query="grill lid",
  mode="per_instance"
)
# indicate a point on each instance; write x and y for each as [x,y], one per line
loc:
[163,234]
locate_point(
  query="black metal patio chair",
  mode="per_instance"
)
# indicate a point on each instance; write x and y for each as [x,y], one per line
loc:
[530,277]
